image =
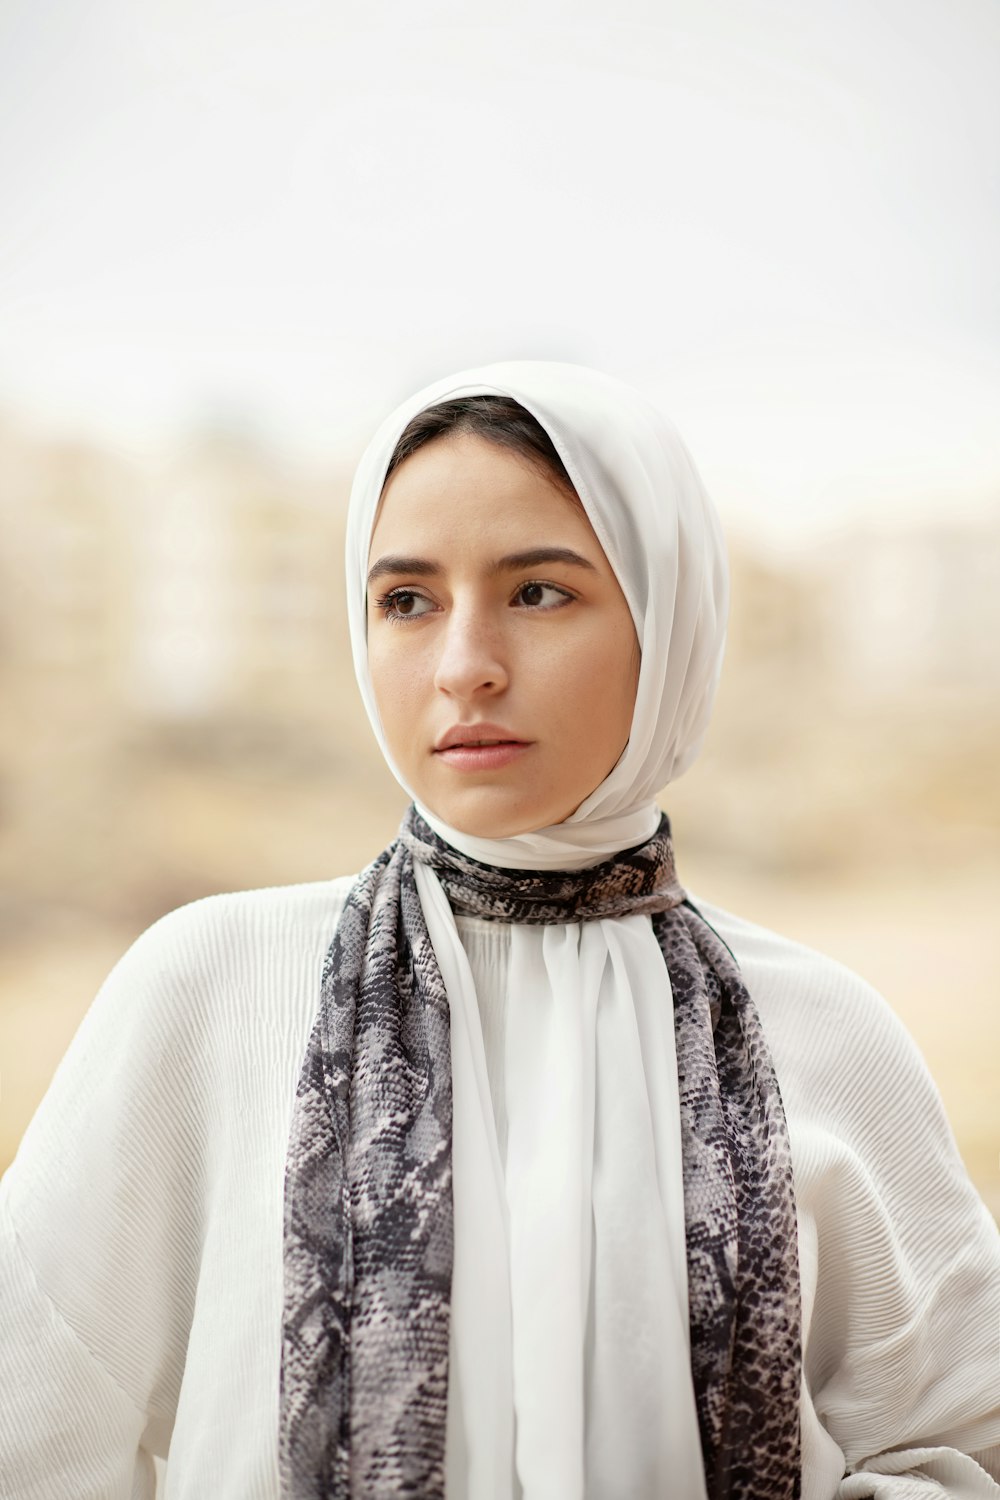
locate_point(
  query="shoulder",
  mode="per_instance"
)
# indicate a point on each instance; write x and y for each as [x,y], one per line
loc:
[230,933]
[202,1001]
[873,1151]
[775,966]
[841,1053]
[783,974]
[209,979]
[224,970]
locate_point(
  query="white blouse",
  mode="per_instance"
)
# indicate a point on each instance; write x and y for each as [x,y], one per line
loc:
[141,1234]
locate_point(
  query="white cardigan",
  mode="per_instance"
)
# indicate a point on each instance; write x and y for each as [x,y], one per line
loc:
[141,1223]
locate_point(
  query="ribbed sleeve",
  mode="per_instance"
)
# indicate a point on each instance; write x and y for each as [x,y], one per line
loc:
[67,1429]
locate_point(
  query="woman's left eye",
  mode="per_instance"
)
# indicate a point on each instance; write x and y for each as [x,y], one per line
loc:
[542,595]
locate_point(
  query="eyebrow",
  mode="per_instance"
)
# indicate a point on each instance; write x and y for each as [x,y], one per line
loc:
[513,562]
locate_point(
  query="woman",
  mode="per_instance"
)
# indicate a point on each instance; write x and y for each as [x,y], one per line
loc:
[503,1168]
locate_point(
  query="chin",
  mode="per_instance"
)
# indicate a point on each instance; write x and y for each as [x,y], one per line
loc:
[488,827]
[484,816]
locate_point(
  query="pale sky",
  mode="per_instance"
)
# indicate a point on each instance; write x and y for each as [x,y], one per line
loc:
[780,219]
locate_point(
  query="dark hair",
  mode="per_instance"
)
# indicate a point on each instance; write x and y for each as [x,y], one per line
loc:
[498,419]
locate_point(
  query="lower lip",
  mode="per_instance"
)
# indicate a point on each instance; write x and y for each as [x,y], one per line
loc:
[482,757]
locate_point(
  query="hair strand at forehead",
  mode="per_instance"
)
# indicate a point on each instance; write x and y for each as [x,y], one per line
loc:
[496,419]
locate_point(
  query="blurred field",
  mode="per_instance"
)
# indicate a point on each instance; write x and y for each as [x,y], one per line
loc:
[180,718]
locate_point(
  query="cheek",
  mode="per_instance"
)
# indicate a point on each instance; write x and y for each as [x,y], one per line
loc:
[612,703]
[394,682]
[603,671]
[591,690]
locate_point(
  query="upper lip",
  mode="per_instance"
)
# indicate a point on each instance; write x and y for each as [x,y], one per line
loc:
[474,734]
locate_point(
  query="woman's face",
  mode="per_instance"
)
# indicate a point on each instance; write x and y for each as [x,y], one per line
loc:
[503,656]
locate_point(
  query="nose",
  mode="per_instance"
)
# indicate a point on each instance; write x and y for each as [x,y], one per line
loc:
[472,657]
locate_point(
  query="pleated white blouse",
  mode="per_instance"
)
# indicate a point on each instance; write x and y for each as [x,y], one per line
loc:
[141,1233]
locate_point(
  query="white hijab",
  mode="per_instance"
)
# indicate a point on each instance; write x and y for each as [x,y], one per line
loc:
[661,535]
[570,1339]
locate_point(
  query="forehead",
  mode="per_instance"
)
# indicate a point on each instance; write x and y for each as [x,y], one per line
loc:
[461,486]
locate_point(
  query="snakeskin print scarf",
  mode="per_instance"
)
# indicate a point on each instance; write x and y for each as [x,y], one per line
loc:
[368,1204]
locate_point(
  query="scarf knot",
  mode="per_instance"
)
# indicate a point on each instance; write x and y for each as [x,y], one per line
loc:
[637,881]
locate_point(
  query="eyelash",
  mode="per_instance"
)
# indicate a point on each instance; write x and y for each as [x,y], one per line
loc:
[384,603]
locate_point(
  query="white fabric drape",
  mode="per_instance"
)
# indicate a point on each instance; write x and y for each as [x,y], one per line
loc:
[586,1334]
[480,1435]
[589,1010]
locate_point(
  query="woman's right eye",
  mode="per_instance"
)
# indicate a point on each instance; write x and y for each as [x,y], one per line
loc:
[402,604]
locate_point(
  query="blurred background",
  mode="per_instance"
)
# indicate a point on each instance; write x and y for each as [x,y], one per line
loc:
[233,236]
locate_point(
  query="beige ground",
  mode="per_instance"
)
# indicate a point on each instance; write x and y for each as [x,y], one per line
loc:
[934,954]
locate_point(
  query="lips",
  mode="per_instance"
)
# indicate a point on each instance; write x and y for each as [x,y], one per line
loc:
[482,748]
[477,736]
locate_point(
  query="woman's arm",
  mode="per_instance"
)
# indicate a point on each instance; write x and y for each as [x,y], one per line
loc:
[67,1428]
[903,1341]
[912,1394]
[899,1258]
[99,1240]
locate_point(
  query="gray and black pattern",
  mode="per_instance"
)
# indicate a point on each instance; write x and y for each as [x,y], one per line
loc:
[368,1188]
[741,1229]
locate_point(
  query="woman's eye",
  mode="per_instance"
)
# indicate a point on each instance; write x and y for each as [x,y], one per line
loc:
[403,604]
[542,595]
